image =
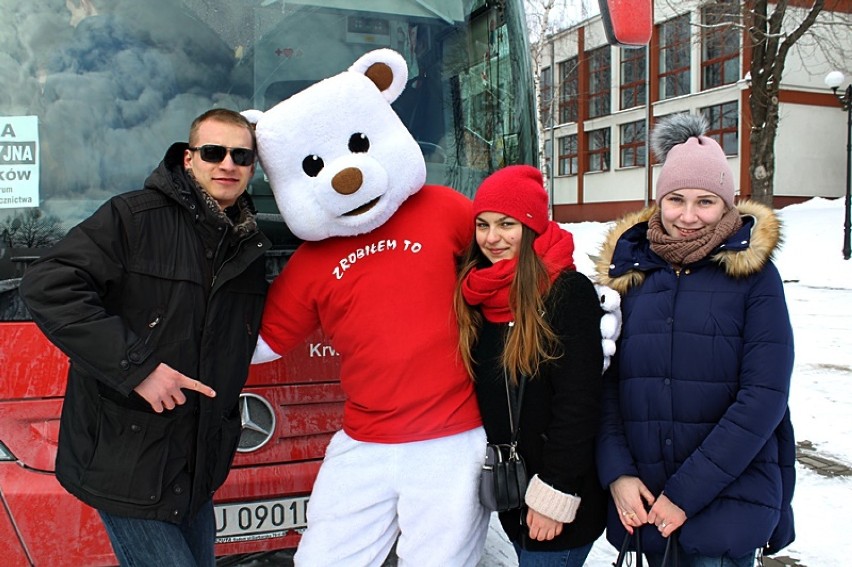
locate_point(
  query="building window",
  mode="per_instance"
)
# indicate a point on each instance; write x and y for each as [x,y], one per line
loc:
[632,77]
[598,150]
[724,126]
[674,57]
[600,82]
[720,44]
[568,155]
[547,170]
[546,91]
[569,88]
[632,147]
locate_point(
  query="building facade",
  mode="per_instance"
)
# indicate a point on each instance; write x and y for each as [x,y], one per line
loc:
[598,102]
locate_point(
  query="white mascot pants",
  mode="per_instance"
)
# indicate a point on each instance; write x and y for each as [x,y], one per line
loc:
[425,492]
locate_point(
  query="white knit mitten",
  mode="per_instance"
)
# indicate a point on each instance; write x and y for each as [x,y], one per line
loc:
[550,502]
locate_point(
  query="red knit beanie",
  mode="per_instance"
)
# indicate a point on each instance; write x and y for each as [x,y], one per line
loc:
[691,160]
[516,191]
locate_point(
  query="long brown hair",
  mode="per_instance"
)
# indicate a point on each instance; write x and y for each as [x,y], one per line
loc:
[532,341]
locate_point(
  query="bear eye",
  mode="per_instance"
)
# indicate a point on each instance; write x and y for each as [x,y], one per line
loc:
[359,143]
[312,165]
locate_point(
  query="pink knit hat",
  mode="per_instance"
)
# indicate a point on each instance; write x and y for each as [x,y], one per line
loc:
[691,160]
[516,191]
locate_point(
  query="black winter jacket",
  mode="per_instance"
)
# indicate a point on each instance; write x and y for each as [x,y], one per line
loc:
[560,414]
[152,276]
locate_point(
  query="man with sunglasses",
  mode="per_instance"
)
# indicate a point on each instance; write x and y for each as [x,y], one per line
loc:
[156,300]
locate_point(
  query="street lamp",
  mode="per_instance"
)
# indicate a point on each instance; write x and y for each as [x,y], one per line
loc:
[833,81]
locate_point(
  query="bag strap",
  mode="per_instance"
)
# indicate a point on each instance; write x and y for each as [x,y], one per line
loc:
[622,553]
[514,415]
[670,556]
[671,553]
[625,549]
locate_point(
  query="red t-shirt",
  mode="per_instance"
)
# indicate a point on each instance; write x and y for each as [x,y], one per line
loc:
[385,300]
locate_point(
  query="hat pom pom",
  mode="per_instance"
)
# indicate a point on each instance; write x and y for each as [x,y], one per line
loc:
[676,130]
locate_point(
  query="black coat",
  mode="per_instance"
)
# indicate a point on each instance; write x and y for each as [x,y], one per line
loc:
[560,414]
[128,288]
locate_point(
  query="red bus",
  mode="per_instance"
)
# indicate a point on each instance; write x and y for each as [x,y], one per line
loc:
[92,92]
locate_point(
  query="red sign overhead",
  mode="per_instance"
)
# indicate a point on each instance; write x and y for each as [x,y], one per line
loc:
[627,23]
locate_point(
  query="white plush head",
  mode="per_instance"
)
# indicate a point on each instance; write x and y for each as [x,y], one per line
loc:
[339,160]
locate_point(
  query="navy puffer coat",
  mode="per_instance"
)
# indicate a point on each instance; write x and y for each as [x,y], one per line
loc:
[696,405]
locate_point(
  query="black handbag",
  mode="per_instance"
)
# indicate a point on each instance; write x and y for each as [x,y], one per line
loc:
[503,480]
[670,556]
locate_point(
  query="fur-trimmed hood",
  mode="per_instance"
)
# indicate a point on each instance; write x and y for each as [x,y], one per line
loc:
[625,254]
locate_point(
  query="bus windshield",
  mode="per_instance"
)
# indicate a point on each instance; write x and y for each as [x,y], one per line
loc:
[93,93]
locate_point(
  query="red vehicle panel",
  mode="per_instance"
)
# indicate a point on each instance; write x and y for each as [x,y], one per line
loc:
[305,399]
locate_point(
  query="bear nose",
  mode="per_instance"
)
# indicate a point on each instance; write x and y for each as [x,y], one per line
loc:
[347,181]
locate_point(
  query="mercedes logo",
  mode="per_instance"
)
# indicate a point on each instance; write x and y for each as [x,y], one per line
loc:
[258,422]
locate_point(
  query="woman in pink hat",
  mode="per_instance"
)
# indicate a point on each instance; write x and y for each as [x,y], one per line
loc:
[696,438]
[527,316]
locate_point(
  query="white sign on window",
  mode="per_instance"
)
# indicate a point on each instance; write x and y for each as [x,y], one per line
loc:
[19,166]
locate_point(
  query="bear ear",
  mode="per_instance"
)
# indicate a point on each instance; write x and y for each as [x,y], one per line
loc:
[386,69]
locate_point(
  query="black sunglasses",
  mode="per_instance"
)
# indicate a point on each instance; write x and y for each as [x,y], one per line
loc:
[215,154]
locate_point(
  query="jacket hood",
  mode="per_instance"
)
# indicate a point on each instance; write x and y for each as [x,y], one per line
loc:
[625,254]
[169,176]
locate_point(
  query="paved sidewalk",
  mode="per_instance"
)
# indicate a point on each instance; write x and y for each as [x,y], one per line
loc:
[782,561]
[807,454]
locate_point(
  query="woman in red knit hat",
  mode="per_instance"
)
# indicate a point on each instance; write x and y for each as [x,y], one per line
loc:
[526,316]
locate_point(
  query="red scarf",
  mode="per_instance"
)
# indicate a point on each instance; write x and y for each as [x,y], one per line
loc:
[488,287]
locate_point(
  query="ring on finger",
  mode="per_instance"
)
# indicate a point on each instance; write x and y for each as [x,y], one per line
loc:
[663,525]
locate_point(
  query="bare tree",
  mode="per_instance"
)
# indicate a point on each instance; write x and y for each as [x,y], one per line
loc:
[539,27]
[31,230]
[771,28]
[772,36]
[544,18]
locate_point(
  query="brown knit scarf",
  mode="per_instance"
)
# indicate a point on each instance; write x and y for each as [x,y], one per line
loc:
[246,222]
[682,251]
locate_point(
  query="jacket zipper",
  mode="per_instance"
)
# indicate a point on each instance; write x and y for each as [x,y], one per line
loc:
[152,325]
[240,245]
[216,255]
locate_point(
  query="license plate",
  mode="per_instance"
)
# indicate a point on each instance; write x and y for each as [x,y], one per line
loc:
[260,520]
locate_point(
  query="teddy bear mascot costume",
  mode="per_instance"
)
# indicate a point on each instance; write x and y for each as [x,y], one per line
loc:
[376,272]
